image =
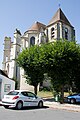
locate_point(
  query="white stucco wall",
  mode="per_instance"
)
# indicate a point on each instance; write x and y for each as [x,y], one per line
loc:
[6,85]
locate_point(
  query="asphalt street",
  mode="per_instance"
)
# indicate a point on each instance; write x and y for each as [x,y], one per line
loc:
[45,113]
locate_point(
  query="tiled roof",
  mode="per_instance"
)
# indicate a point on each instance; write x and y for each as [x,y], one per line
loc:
[37,26]
[59,16]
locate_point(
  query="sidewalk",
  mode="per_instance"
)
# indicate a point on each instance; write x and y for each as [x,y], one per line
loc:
[56,105]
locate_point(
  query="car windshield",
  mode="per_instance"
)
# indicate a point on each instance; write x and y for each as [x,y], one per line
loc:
[13,93]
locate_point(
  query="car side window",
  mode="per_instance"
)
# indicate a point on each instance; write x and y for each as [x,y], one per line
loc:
[24,93]
[31,94]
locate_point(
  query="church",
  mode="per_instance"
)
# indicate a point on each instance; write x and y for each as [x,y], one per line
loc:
[58,28]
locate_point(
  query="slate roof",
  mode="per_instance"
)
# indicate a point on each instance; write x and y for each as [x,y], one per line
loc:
[59,16]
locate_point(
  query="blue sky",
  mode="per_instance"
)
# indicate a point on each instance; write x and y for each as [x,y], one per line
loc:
[22,14]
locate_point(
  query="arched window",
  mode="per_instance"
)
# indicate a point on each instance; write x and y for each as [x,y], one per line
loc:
[52,32]
[66,33]
[32,41]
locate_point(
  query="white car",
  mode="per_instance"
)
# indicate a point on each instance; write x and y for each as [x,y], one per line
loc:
[20,99]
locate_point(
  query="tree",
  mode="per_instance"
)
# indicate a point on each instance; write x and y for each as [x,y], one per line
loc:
[29,60]
[64,64]
[61,60]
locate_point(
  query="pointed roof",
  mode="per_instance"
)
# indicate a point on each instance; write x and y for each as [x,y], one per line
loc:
[59,16]
[37,26]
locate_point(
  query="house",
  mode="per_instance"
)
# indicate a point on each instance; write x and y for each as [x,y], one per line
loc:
[6,84]
[58,28]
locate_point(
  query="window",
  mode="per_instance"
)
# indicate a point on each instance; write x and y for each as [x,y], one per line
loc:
[24,93]
[66,33]
[31,94]
[52,32]
[32,41]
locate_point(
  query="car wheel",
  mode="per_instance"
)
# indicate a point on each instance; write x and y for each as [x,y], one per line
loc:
[40,104]
[19,105]
[72,101]
[6,106]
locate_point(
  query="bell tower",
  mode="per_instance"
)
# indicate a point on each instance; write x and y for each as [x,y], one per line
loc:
[59,27]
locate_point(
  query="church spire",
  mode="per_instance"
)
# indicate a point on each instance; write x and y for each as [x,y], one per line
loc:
[59,16]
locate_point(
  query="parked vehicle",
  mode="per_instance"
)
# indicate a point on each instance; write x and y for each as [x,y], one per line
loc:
[20,99]
[75,98]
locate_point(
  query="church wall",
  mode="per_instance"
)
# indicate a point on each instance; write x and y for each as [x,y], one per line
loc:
[59,31]
[50,39]
[27,43]
[23,83]
[11,69]
[23,43]
[6,54]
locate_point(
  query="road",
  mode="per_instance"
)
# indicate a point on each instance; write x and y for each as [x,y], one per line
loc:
[38,114]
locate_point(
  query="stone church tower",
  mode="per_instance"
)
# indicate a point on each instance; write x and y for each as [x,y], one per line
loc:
[6,53]
[58,28]
[11,51]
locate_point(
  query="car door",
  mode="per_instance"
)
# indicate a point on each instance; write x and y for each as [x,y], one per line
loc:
[32,99]
[78,98]
[25,98]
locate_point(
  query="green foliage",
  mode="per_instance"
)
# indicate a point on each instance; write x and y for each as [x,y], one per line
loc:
[62,63]
[61,60]
[30,61]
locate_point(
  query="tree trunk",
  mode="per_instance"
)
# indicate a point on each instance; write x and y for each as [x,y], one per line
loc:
[62,95]
[35,90]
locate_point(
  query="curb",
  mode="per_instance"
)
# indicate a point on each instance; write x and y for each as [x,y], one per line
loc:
[65,106]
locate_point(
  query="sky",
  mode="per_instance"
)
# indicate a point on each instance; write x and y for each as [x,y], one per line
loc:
[21,14]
